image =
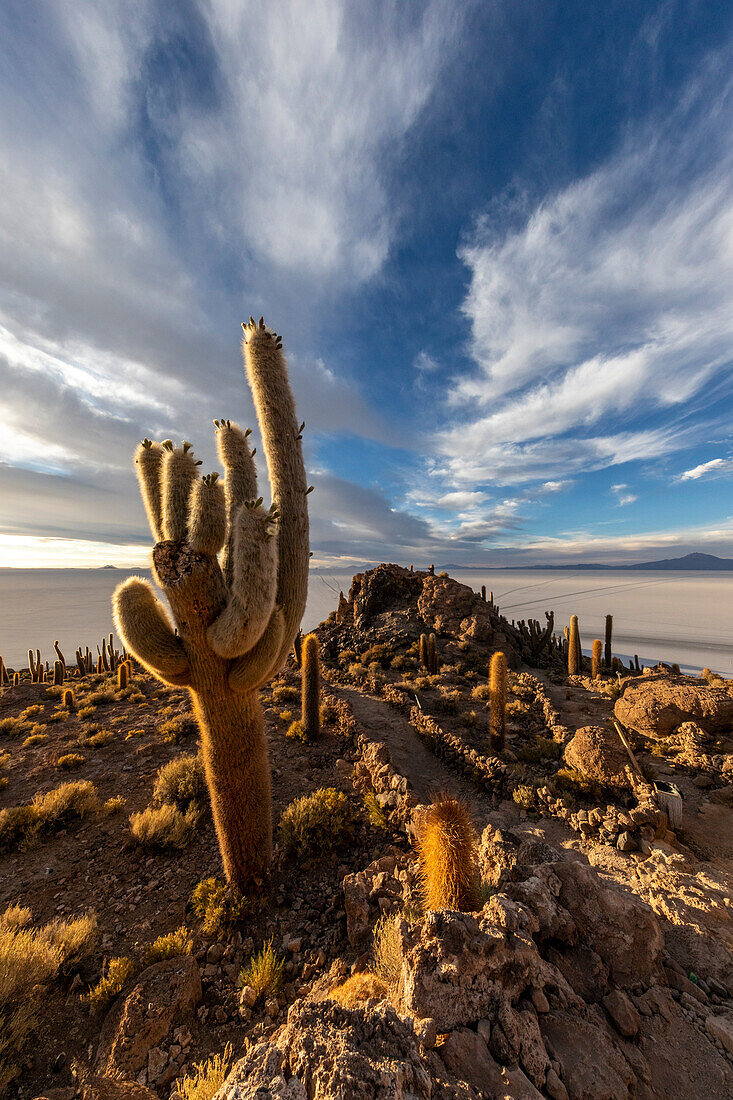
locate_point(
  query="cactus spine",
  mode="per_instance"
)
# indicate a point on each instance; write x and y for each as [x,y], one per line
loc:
[446,848]
[609,636]
[497,701]
[573,647]
[234,626]
[596,659]
[311,688]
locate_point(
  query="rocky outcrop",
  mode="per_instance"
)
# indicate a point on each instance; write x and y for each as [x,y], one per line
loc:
[332,1052]
[163,995]
[658,705]
[598,753]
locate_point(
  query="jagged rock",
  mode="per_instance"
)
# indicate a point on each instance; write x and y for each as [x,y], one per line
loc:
[332,1052]
[497,853]
[467,1057]
[99,1087]
[598,753]
[658,705]
[624,1016]
[591,1066]
[163,995]
[721,1028]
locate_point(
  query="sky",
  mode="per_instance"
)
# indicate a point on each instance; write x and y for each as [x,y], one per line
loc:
[496,237]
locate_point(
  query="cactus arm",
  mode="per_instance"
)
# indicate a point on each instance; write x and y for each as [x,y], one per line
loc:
[148,460]
[240,477]
[179,472]
[250,672]
[268,378]
[207,519]
[142,623]
[251,599]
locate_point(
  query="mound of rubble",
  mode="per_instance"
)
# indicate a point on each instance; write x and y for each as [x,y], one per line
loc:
[559,987]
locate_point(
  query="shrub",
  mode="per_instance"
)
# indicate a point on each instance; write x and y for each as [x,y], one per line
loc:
[208,1077]
[296,732]
[481,691]
[319,822]
[374,811]
[524,796]
[99,739]
[164,826]
[100,698]
[216,905]
[30,712]
[70,760]
[446,849]
[263,972]
[357,671]
[169,946]
[4,759]
[574,782]
[542,748]
[182,782]
[358,989]
[176,729]
[29,959]
[286,716]
[70,800]
[284,693]
[85,712]
[119,972]
[13,726]
[379,653]
[35,737]
[387,955]
[112,805]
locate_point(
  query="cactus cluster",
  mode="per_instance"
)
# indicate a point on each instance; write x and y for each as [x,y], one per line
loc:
[235,619]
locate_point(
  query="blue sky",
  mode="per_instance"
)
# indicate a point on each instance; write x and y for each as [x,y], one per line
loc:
[496,236]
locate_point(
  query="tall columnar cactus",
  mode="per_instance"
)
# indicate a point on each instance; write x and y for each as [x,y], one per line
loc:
[609,638]
[4,678]
[483,592]
[58,673]
[573,647]
[497,701]
[432,653]
[446,849]
[123,675]
[236,621]
[310,714]
[596,659]
[423,652]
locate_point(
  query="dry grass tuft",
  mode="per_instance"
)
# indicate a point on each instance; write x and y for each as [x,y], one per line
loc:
[207,1078]
[169,946]
[263,972]
[70,760]
[358,989]
[387,955]
[446,849]
[217,906]
[75,799]
[119,972]
[164,826]
[182,782]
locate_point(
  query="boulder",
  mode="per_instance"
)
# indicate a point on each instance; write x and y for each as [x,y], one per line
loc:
[467,1057]
[721,1028]
[624,1016]
[114,1088]
[598,753]
[658,705]
[332,1052]
[163,995]
[591,1067]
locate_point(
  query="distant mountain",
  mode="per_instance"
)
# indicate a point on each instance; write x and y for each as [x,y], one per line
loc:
[702,562]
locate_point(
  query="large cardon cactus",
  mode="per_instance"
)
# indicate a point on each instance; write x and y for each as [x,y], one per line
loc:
[235,576]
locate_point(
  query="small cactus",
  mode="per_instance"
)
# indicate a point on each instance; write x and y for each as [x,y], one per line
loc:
[497,701]
[67,699]
[596,659]
[609,638]
[123,675]
[483,592]
[574,665]
[311,689]
[432,655]
[298,649]
[423,652]
[58,673]
[446,850]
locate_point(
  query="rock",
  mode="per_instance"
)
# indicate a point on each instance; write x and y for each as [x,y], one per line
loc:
[467,1057]
[58,1093]
[426,1032]
[157,1061]
[332,1052]
[272,1007]
[626,843]
[498,852]
[517,1087]
[163,995]
[592,1068]
[539,1000]
[554,1086]
[247,996]
[657,705]
[598,753]
[721,1028]
[98,1087]
[625,1018]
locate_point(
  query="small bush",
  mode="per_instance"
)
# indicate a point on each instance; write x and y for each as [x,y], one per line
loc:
[119,972]
[286,715]
[70,760]
[208,1077]
[85,712]
[285,693]
[524,796]
[319,822]
[4,759]
[98,739]
[374,811]
[70,800]
[175,730]
[357,671]
[358,989]
[169,946]
[164,826]
[100,698]
[380,654]
[35,737]
[58,716]
[112,805]
[387,954]
[542,748]
[14,727]
[481,691]
[296,732]
[263,972]
[182,782]
[30,712]
[217,906]
[573,782]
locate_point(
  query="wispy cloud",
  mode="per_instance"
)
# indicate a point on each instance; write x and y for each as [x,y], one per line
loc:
[623,495]
[715,467]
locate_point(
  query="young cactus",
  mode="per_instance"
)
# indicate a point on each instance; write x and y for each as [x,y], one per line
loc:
[573,647]
[123,675]
[446,850]
[497,702]
[235,622]
[310,716]
[609,639]
[67,699]
[596,659]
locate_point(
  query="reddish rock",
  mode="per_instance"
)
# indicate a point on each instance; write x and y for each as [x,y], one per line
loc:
[598,753]
[658,705]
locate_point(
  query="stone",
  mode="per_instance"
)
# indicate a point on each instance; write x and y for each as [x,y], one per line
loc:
[539,1000]
[592,1067]
[426,1032]
[597,752]
[467,1057]
[247,996]
[624,1016]
[163,995]
[658,705]
[554,1086]
[626,843]
[157,1061]
[97,1087]
[721,1028]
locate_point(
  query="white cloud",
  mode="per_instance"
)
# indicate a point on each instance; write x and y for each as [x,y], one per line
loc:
[714,467]
[613,301]
[623,496]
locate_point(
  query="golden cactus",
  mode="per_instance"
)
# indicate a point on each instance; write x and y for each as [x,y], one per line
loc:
[497,701]
[596,659]
[123,675]
[574,666]
[311,688]
[446,850]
